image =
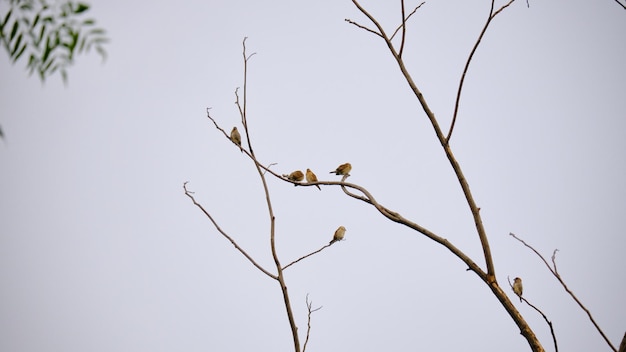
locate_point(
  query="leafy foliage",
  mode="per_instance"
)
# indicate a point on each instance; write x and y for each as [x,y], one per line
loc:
[50,35]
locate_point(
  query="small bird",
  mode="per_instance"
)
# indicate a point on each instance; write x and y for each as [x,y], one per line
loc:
[517,287]
[295,176]
[236,137]
[310,177]
[338,236]
[343,169]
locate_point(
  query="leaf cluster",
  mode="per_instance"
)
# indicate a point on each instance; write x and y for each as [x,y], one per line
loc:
[50,35]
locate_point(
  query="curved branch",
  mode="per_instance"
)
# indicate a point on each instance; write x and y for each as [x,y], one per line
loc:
[217,227]
[556,274]
[469,59]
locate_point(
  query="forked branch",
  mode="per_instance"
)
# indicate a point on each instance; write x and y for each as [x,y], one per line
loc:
[189,194]
[490,277]
[556,274]
[556,346]
[492,15]
[311,310]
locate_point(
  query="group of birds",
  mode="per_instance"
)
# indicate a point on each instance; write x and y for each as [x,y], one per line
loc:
[297,176]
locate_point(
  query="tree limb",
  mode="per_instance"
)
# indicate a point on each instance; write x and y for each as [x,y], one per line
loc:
[492,15]
[556,274]
[219,229]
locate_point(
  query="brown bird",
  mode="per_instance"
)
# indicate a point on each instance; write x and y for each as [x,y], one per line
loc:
[338,236]
[343,169]
[236,137]
[518,288]
[310,177]
[295,176]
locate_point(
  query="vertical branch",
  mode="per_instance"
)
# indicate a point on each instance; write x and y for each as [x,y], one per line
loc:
[309,306]
[280,278]
[469,59]
[403,29]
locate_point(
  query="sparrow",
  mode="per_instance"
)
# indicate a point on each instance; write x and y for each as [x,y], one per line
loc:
[517,287]
[343,169]
[295,176]
[338,236]
[310,177]
[236,137]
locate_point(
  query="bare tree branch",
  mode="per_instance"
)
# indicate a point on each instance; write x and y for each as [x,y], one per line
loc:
[490,276]
[272,218]
[406,19]
[620,4]
[219,229]
[556,274]
[403,30]
[306,256]
[492,15]
[455,165]
[309,306]
[556,346]
[363,27]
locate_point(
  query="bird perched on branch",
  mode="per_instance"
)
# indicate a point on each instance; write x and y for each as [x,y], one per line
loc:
[310,177]
[295,176]
[236,137]
[518,288]
[343,169]
[338,236]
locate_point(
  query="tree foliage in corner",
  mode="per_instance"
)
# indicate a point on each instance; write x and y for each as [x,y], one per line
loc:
[50,35]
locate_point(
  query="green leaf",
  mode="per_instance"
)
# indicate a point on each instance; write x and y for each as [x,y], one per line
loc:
[41,33]
[13,31]
[89,22]
[6,18]
[16,46]
[26,7]
[47,50]
[82,7]
[102,52]
[48,19]
[96,31]
[19,53]
[35,21]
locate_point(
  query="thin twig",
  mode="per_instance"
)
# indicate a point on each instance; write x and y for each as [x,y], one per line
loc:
[406,19]
[556,346]
[362,27]
[309,306]
[219,229]
[306,256]
[620,4]
[556,274]
[469,59]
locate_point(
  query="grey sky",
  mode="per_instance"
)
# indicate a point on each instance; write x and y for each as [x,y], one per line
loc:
[101,251]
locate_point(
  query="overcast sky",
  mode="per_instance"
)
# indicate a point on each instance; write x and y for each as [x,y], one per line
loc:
[100,250]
